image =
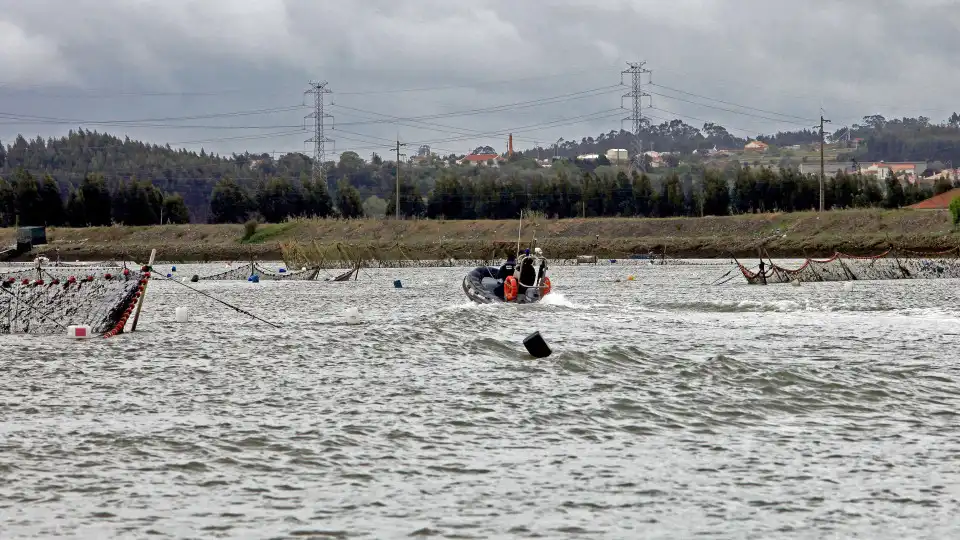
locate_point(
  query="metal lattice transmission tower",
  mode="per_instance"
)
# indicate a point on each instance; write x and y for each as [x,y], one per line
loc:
[319,139]
[636,94]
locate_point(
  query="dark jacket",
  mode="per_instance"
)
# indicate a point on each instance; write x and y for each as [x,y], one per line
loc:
[506,270]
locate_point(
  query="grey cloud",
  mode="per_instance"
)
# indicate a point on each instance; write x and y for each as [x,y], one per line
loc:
[852,58]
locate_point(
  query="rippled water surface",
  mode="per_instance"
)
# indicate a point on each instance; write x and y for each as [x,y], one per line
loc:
[670,409]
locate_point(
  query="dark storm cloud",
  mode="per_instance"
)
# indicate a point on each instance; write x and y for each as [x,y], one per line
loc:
[85,60]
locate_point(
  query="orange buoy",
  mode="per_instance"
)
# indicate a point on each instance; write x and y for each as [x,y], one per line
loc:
[510,289]
[546,286]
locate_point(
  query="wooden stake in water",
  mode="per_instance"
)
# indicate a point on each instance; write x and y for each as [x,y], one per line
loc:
[136,316]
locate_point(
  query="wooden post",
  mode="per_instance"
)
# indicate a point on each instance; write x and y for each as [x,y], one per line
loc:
[136,316]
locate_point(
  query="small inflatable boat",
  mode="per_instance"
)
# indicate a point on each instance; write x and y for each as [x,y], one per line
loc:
[528,284]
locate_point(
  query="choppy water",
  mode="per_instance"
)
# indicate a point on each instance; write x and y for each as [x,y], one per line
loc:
[670,409]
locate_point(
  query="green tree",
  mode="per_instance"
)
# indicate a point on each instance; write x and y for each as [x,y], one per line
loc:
[8,204]
[75,213]
[318,200]
[277,200]
[671,197]
[446,199]
[137,203]
[411,202]
[642,194]
[943,185]
[716,194]
[895,197]
[29,203]
[623,200]
[348,201]
[374,207]
[229,202]
[97,201]
[175,209]
[52,202]
[955,211]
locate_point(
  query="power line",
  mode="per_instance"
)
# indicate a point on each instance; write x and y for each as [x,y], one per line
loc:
[429,125]
[593,92]
[473,85]
[599,115]
[37,90]
[779,120]
[731,103]
[751,132]
[251,112]
[163,126]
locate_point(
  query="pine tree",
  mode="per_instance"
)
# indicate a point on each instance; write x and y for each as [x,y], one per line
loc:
[52,202]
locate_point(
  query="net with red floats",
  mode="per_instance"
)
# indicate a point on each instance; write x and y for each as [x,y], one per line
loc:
[842,267]
[54,298]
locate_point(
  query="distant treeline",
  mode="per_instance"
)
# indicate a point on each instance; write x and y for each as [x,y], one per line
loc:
[25,200]
[604,194]
[143,180]
[28,201]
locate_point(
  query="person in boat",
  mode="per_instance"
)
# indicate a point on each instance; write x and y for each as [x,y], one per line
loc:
[528,274]
[543,262]
[508,268]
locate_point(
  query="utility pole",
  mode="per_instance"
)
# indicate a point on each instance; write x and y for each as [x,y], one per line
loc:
[636,94]
[399,144]
[318,89]
[822,174]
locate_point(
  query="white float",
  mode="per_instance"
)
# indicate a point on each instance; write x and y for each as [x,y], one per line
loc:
[795,283]
[79,331]
[182,315]
[352,315]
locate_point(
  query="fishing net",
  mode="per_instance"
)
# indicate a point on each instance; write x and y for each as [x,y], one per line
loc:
[246,270]
[50,304]
[18,274]
[843,267]
[240,273]
[307,274]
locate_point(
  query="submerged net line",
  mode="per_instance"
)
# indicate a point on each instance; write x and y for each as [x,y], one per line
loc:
[244,271]
[50,304]
[842,267]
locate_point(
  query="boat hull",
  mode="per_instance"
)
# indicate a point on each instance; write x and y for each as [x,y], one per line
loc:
[482,286]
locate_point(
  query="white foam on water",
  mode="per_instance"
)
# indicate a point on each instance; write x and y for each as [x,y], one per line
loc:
[557,299]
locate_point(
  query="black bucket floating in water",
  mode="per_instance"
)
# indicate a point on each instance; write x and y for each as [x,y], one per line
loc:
[195,278]
[536,346]
[397,284]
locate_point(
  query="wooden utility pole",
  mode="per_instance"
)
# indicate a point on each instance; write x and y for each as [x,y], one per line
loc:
[399,144]
[822,173]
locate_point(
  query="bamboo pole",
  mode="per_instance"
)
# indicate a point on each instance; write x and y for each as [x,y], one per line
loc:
[136,317]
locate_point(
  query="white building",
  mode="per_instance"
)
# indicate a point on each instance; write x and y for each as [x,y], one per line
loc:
[618,156]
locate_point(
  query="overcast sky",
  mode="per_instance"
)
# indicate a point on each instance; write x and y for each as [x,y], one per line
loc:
[540,69]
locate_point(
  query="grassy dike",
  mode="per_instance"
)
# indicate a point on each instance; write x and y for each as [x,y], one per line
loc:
[807,234]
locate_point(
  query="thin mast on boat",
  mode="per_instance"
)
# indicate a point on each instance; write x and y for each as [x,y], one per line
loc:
[519,229]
